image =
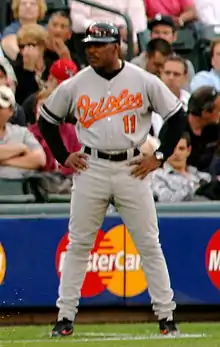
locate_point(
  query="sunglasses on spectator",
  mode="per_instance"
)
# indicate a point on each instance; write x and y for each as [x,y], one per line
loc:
[22,46]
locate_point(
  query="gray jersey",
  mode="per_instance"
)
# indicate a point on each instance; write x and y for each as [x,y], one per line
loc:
[111,114]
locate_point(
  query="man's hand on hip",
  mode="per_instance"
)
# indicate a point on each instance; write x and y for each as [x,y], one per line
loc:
[77,161]
[143,165]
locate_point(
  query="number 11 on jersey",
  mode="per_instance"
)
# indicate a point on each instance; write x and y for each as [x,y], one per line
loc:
[129,124]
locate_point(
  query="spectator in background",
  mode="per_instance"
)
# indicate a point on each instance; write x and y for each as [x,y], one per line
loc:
[182,11]
[212,77]
[176,181]
[11,78]
[83,15]
[24,12]
[174,75]
[68,135]
[153,59]
[203,126]
[59,33]
[158,50]
[20,152]
[18,116]
[60,71]
[208,11]
[30,63]
[165,28]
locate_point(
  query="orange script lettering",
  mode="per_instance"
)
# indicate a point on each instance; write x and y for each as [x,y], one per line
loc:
[90,112]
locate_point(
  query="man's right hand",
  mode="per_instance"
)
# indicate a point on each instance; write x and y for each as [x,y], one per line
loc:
[77,161]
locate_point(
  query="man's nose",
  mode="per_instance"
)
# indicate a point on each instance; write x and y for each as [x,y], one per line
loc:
[58,29]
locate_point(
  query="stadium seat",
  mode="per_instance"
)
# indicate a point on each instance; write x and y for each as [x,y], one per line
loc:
[207,34]
[187,46]
[54,5]
[13,191]
[58,198]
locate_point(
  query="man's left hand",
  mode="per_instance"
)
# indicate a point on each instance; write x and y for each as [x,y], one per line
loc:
[144,165]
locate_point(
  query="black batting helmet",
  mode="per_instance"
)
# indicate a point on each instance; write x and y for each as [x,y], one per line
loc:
[102,32]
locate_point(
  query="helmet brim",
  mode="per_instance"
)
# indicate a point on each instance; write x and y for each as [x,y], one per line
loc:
[103,40]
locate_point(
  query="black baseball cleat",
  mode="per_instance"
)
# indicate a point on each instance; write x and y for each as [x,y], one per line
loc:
[168,327]
[63,327]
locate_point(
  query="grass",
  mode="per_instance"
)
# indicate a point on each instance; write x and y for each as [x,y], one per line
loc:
[121,335]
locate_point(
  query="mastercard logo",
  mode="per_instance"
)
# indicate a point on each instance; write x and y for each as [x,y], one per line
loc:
[213,259]
[114,264]
[2,264]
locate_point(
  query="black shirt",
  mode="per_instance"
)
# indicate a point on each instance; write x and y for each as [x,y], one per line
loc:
[204,147]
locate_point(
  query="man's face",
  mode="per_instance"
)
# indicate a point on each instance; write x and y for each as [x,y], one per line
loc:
[5,115]
[180,154]
[173,75]
[216,58]
[164,32]
[5,81]
[100,55]
[214,116]
[155,63]
[59,27]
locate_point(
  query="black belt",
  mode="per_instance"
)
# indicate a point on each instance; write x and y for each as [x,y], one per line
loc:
[122,156]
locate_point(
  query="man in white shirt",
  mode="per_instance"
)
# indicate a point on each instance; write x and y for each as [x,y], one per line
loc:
[176,181]
[208,11]
[83,15]
[174,75]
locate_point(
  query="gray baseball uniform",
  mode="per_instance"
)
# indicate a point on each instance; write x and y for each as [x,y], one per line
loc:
[113,115]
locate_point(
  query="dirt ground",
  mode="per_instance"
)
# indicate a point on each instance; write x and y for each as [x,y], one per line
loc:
[108,315]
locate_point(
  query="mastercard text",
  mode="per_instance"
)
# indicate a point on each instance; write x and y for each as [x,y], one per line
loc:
[109,262]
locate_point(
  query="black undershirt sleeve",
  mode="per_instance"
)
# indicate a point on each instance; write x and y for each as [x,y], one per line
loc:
[171,133]
[52,136]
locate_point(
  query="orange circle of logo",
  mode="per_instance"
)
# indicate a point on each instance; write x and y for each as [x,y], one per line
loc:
[213,259]
[2,264]
[114,264]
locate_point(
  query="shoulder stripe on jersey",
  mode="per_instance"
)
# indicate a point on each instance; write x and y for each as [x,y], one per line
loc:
[173,111]
[49,116]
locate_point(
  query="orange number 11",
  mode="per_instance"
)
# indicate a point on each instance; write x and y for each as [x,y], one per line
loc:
[129,124]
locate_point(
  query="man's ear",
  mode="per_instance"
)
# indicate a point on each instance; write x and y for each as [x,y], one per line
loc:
[175,36]
[189,150]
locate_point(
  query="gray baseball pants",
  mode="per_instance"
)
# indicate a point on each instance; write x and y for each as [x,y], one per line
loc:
[134,201]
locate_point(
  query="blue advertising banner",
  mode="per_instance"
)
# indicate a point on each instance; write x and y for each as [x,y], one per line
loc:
[32,251]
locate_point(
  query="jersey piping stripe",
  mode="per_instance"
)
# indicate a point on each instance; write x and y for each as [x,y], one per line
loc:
[49,116]
[171,113]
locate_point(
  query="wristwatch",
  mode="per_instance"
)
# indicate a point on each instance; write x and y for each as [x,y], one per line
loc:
[159,156]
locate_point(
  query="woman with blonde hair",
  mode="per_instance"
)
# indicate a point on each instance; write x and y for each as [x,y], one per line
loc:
[24,12]
[30,65]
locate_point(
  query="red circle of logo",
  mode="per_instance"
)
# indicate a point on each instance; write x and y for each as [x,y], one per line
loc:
[213,259]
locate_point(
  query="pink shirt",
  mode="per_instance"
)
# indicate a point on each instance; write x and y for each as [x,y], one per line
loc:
[171,8]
